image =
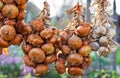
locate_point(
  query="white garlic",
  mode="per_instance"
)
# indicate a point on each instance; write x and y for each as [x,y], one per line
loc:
[103,51]
[113,49]
[94,35]
[95,46]
[111,32]
[100,30]
[103,40]
[112,46]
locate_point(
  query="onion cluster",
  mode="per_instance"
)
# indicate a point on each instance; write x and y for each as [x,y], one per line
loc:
[11,13]
[39,44]
[74,56]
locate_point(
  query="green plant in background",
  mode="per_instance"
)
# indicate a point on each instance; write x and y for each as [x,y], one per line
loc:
[3,76]
[118,56]
[12,71]
[104,74]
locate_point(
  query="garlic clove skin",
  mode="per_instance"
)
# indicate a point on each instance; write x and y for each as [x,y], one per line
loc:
[100,30]
[103,40]
[103,51]
[95,46]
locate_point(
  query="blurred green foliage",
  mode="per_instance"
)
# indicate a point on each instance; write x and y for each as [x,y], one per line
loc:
[118,56]
[10,71]
[104,74]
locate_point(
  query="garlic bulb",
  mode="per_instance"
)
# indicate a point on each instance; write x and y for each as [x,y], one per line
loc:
[95,36]
[103,40]
[112,46]
[103,51]
[113,49]
[111,32]
[95,46]
[100,30]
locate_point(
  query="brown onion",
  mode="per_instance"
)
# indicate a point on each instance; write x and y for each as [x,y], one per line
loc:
[36,55]
[46,33]
[48,48]
[27,30]
[41,69]
[20,27]
[74,42]
[35,40]
[21,2]
[64,38]
[7,32]
[53,39]
[21,15]
[60,66]
[4,44]
[75,59]
[10,11]
[85,50]
[50,59]
[37,25]
[28,62]
[75,71]
[17,40]
[10,22]
[26,48]
[66,49]
[83,30]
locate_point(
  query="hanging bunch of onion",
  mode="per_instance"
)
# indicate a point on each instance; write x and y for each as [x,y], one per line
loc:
[74,55]
[11,12]
[103,31]
[75,52]
[39,45]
